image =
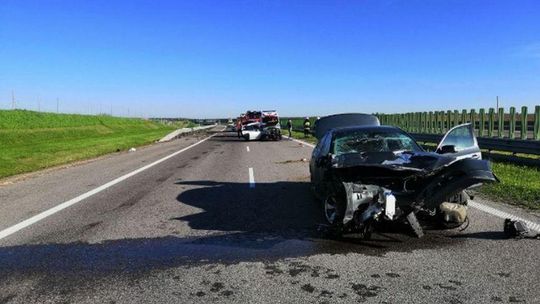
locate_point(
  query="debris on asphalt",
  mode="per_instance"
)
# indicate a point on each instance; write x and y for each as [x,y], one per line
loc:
[415,225]
[453,212]
[132,150]
[518,229]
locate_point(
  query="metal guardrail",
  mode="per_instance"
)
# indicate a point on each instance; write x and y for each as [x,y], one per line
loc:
[491,144]
[487,123]
[179,132]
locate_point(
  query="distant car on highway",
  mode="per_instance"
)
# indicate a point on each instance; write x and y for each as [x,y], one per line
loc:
[365,173]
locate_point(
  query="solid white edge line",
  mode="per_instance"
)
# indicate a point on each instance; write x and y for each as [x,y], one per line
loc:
[38,217]
[300,141]
[503,214]
[247,148]
[251,178]
[476,205]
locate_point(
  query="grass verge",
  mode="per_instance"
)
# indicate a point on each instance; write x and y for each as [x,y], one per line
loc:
[300,136]
[30,141]
[520,185]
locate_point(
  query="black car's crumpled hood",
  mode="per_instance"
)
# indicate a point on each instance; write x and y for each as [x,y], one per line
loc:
[422,178]
[399,161]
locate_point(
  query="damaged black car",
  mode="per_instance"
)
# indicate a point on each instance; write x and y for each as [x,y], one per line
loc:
[365,174]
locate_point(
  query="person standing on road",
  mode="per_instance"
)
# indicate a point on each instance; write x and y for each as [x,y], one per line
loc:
[289,127]
[307,127]
[239,128]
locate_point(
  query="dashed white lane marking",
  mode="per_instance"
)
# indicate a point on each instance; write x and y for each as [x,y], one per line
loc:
[251,178]
[247,148]
[503,215]
[38,217]
[479,206]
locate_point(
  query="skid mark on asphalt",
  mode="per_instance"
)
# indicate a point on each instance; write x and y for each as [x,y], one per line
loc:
[292,161]
[182,166]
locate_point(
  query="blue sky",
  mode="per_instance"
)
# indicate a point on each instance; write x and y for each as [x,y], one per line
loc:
[220,58]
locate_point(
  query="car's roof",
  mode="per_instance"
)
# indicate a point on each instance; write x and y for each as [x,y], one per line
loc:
[344,120]
[366,128]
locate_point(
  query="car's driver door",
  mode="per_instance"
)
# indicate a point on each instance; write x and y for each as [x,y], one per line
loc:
[319,160]
[460,142]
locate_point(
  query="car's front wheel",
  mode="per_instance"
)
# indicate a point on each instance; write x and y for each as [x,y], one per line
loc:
[334,209]
[330,209]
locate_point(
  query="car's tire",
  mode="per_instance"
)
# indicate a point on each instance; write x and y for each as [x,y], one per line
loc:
[334,206]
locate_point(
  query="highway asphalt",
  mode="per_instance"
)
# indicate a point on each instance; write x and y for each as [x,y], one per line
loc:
[233,221]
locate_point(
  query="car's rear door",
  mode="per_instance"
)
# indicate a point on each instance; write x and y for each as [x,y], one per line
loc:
[464,141]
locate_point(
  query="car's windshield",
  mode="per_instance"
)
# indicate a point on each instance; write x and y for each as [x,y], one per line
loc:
[359,141]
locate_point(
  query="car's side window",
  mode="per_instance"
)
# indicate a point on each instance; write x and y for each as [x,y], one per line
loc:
[326,140]
[317,148]
[460,137]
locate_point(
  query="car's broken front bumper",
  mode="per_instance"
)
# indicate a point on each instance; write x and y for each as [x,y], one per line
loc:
[365,202]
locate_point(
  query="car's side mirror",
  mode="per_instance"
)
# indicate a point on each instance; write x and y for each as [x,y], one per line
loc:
[447,149]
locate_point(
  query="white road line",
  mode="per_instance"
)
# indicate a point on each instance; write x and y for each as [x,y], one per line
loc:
[38,217]
[251,178]
[503,215]
[247,148]
[300,141]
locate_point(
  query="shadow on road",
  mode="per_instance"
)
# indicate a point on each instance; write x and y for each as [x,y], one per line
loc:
[274,221]
[484,235]
[280,207]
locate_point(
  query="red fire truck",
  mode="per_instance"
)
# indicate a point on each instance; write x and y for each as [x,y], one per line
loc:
[260,125]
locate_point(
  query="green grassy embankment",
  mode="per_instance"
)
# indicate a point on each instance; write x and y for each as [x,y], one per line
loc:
[520,185]
[31,141]
[300,135]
